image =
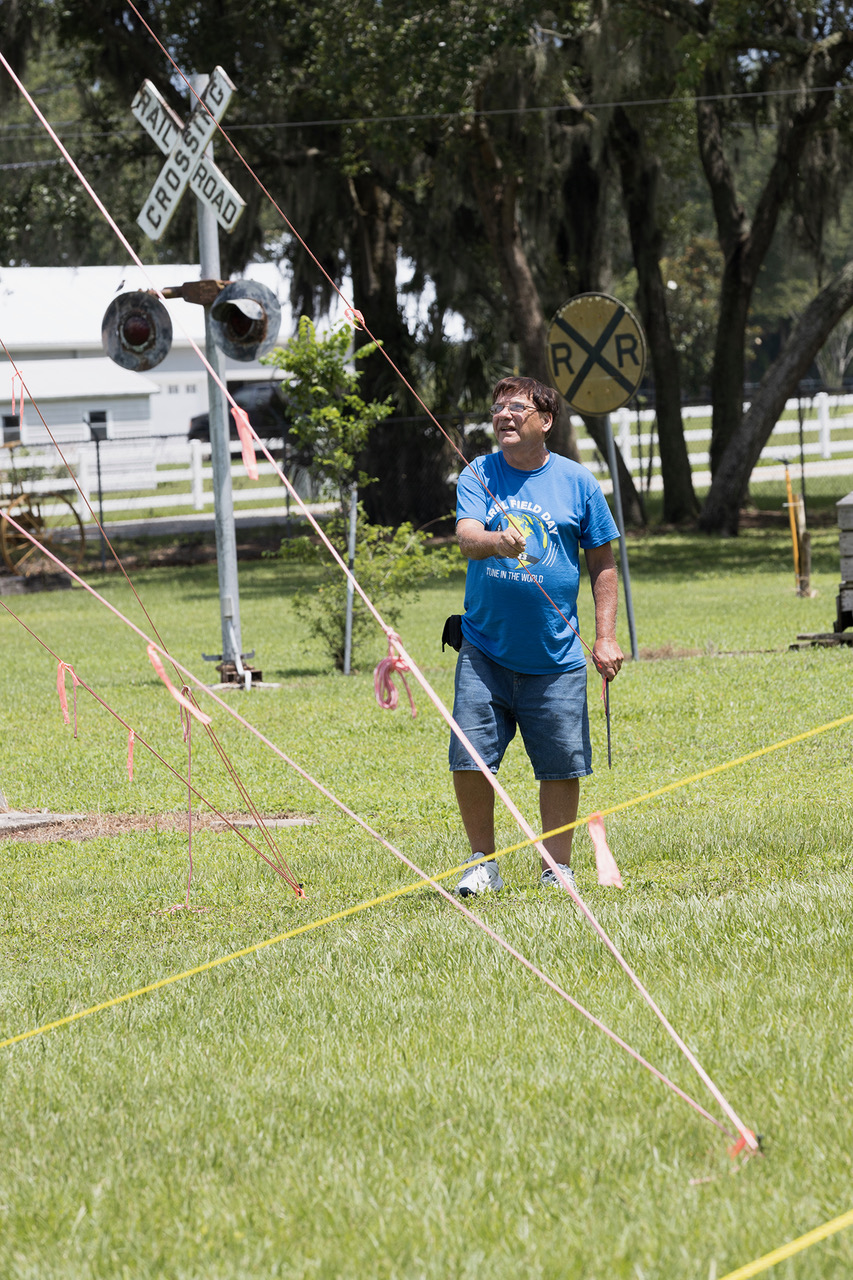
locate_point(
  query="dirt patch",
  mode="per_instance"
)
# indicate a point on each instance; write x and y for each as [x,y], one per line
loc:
[104,826]
[666,651]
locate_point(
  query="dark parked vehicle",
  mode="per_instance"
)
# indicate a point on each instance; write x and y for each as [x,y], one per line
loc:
[263,403]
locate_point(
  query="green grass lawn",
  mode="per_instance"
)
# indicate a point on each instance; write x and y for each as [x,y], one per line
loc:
[392,1095]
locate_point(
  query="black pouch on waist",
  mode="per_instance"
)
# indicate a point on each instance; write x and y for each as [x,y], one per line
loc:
[452,633]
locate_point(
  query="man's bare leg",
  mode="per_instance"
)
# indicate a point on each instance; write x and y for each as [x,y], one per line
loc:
[558,804]
[476,801]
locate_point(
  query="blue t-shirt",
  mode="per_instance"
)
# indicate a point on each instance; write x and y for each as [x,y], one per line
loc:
[559,508]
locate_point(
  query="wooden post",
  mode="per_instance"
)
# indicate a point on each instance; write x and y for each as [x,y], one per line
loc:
[804,549]
[792,517]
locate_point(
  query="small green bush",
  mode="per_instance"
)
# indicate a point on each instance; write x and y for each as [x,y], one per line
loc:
[390,565]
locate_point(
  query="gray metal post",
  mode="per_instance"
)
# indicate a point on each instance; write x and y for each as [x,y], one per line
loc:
[353,518]
[220,436]
[620,521]
[100,502]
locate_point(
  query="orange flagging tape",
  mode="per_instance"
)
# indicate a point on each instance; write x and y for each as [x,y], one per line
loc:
[605,863]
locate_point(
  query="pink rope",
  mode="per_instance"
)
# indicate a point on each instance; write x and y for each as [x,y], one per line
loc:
[383,685]
[605,863]
[16,378]
[61,669]
[131,737]
[179,697]
[279,867]
[749,1137]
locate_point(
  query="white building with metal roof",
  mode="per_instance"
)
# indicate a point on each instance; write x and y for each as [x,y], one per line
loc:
[50,324]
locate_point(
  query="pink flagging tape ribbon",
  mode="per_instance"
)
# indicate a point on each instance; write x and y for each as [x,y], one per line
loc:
[247,444]
[605,863]
[63,697]
[354,316]
[736,1148]
[383,685]
[131,738]
[176,694]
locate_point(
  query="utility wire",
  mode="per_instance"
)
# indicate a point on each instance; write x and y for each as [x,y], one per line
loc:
[464,113]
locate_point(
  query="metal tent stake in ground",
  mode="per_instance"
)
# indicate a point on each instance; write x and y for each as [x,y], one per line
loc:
[596,354]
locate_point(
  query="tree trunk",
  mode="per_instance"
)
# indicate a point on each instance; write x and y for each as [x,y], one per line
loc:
[409,461]
[745,242]
[729,486]
[497,195]
[640,174]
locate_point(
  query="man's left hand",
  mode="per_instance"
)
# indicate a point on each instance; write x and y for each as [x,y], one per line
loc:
[608,657]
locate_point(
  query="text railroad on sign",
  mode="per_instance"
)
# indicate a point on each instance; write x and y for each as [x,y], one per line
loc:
[186,164]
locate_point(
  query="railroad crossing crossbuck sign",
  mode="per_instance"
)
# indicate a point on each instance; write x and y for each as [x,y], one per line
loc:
[596,353]
[186,164]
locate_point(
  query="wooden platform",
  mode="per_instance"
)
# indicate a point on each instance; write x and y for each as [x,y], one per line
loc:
[823,640]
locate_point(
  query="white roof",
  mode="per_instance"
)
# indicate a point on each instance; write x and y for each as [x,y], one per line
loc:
[77,380]
[61,308]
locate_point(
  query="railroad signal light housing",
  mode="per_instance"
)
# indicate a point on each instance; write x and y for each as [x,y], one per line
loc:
[136,331]
[245,319]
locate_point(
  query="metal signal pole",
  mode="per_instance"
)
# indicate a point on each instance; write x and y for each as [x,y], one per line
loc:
[220,440]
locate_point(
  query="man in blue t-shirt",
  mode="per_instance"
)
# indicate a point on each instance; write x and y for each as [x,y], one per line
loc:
[522,516]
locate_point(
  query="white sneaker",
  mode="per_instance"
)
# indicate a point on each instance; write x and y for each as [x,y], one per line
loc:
[549,881]
[478,879]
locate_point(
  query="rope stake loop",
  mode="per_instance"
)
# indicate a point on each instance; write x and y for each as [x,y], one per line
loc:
[383,685]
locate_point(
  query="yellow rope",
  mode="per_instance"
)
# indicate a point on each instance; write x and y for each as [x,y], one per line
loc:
[409,888]
[683,782]
[212,964]
[788,1250]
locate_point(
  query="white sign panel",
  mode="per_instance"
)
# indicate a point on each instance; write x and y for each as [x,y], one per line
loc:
[186,163]
[214,190]
[156,117]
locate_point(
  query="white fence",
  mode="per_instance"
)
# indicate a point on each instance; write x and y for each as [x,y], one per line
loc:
[827,441]
[155,475]
[169,474]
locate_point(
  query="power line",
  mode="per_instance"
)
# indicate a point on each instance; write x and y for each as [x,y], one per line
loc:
[31,164]
[464,113]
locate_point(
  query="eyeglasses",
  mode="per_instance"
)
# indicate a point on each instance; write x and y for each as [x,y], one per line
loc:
[515,407]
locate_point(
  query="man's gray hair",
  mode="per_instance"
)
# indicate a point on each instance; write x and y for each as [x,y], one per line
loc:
[544,397]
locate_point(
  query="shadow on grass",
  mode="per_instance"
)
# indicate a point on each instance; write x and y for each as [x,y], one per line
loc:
[690,556]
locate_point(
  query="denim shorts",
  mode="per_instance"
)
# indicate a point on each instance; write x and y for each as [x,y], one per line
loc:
[549,710]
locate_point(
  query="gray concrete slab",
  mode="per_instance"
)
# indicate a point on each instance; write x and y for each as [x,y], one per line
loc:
[20,819]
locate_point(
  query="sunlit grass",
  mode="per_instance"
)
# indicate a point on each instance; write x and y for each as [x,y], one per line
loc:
[392,1095]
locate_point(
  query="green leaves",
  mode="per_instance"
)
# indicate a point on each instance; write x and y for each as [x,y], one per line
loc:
[330,420]
[390,566]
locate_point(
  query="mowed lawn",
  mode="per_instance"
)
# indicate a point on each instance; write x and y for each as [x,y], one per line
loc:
[390,1094]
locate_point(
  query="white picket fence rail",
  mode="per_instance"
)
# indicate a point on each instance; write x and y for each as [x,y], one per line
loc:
[827,441]
[135,473]
[145,465]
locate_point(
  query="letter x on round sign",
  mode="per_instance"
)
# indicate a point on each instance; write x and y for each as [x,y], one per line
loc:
[596,353]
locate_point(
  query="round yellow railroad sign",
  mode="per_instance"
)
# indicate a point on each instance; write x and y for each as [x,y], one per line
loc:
[596,353]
